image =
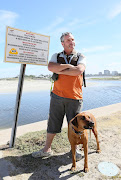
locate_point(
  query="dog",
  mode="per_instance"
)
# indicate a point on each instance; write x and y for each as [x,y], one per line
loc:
[77,134]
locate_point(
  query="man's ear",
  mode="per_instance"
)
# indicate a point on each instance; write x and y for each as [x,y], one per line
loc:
[74,122]
[62,44]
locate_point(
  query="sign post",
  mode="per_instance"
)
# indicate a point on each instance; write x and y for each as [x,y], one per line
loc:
[17,106]
[24,47]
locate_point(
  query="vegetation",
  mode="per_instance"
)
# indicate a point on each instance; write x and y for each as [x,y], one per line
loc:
[107,78]
[48,77]
[43,77]
[34,141]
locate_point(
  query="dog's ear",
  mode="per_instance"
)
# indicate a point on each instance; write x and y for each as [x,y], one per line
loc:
[74,122]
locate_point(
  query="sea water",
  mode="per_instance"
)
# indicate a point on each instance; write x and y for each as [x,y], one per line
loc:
[35,105]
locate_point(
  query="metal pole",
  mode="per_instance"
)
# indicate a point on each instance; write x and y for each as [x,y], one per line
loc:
[17,106]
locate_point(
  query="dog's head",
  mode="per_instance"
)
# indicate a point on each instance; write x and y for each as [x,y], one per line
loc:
[83,121]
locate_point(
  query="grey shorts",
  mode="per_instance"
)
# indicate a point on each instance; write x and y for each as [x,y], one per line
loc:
[59,107]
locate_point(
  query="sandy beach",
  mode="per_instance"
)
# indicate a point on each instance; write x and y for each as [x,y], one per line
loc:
[57,167]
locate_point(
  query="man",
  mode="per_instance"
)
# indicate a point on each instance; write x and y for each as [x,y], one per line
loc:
[66,97]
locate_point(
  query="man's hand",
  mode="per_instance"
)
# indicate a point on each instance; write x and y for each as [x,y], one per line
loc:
[66,69]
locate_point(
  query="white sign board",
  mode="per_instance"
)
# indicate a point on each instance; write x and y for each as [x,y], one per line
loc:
[26,47]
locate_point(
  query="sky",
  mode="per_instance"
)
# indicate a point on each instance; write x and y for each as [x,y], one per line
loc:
[95,25]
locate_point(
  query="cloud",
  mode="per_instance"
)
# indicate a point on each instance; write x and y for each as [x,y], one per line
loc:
[115,11]
[72,25]
[60,24]
[7,18]
[96,49]
[54,24]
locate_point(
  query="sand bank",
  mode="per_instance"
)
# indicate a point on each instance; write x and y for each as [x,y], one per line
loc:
[10,86]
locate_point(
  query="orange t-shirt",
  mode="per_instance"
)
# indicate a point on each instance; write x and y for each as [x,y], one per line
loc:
[68,86]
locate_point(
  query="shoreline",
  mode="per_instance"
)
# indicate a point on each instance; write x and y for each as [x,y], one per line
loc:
[29,85]
[8,86]
[5,134]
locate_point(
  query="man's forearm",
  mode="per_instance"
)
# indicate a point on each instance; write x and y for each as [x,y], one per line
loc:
[70,72]
[73,71]
[56,67]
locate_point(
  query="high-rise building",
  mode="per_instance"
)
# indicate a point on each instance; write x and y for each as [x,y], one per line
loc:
[100,74]
[114,73]
[106,72]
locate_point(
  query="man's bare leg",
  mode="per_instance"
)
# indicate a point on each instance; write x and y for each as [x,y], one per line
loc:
[48,142]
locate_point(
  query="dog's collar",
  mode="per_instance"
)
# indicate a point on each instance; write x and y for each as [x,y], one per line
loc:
[77,132]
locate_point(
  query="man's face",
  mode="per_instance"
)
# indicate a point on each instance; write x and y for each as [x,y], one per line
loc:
[68,43]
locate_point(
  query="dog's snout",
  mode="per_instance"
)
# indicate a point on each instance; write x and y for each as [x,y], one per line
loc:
[91,124]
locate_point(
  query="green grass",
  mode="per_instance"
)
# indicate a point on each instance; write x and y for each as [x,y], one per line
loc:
[21,157]
[34,141]
[108,78]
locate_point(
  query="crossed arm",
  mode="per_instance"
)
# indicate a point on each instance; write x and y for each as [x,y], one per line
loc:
[66,69]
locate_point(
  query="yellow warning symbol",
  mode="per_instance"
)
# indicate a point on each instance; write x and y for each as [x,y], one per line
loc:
[13,51]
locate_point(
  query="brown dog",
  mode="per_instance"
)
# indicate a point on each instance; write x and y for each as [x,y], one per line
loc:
[77,134]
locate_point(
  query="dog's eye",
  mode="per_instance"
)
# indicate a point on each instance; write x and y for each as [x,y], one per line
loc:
[83,117]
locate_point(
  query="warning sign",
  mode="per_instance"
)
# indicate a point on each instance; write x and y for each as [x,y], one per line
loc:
[13,51]
[26,47]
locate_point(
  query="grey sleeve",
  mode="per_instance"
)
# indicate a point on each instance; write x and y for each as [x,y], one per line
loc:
[81,60]
[54,58]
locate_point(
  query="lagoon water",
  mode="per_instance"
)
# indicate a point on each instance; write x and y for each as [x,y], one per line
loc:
[35,105]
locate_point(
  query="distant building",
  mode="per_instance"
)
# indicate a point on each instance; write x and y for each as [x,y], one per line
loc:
[114,73]
[106,72]
[100,74]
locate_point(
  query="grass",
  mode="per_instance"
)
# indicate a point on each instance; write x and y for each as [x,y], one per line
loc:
[25,145]
[108,78]
[34,141]
[20,155]
[28,77]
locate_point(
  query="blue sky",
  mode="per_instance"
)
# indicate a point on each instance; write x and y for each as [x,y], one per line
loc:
[96,26]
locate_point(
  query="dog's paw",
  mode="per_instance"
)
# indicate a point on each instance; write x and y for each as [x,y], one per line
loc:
[98,151]
[73,169]
[86,170]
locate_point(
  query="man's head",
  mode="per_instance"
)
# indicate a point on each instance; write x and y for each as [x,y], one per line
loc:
[68,42]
